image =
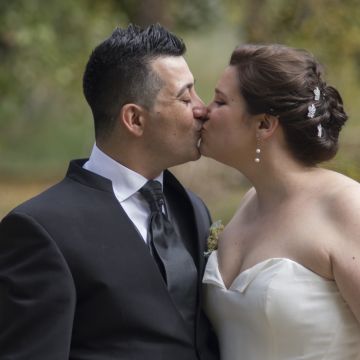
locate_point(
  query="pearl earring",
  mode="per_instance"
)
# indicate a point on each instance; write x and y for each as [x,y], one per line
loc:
[257,158]
[257,151]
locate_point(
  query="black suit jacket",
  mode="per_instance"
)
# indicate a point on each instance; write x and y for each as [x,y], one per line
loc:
[78,282]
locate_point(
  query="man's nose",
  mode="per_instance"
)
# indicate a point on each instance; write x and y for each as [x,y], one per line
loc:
[200,112]
[199,109]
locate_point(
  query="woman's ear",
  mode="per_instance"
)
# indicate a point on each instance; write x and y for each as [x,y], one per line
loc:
[267,125]
[132,117]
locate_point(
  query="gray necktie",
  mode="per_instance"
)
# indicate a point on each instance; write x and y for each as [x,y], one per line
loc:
[174,261]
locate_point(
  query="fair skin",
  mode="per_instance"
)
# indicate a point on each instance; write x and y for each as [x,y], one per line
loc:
[306,214]
[151,140]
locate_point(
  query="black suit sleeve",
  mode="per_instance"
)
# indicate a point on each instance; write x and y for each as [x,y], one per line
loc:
[37,293]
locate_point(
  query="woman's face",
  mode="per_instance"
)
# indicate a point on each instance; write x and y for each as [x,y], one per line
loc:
[229,136]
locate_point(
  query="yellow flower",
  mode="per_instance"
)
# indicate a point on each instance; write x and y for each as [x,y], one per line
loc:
[212,242]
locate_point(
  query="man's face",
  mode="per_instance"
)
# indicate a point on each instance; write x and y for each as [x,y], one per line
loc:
[176,117]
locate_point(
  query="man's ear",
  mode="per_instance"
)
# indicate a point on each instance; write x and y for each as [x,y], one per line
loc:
[132,117]
[267,125]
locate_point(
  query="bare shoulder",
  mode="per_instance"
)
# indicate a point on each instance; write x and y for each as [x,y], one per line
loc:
[343,207]
[343,202]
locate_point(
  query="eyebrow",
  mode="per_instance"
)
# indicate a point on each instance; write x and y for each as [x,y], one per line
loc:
[219,92]
[184,88]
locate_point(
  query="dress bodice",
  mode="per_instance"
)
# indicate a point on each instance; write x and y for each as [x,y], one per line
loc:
[279,310]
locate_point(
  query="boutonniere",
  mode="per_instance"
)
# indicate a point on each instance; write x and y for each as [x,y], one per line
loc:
[212,242]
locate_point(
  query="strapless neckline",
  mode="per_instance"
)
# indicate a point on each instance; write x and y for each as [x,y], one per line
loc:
[278,309]
[213,275]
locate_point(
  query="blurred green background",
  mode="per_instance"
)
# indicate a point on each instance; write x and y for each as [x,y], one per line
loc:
[45,44]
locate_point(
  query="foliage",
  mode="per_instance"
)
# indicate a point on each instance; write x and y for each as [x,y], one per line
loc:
[330,29]
[43,48]
[182,15]
[44,45]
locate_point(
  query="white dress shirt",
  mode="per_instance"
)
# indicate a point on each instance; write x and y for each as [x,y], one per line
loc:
[126,183]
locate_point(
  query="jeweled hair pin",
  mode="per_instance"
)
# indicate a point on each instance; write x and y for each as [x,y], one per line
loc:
[317,94]
[312,111]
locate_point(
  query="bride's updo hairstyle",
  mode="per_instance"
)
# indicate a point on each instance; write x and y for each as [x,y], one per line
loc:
[280,81]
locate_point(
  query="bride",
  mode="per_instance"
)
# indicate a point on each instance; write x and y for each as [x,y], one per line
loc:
[285,281]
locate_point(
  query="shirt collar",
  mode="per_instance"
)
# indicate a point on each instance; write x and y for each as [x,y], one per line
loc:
[125,181]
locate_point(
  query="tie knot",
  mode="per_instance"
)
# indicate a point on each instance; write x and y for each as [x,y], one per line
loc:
[152,192]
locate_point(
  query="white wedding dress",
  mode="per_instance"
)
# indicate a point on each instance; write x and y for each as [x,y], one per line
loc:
[279,310]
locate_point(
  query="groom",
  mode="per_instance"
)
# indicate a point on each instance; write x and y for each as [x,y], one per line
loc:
[107,264]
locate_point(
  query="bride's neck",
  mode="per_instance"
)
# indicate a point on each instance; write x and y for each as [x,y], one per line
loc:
[276,182]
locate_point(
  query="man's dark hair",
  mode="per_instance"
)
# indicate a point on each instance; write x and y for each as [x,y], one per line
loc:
[119,72]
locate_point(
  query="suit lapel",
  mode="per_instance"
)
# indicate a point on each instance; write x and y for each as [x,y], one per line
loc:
[199,213]
[202,224]
[202,221]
